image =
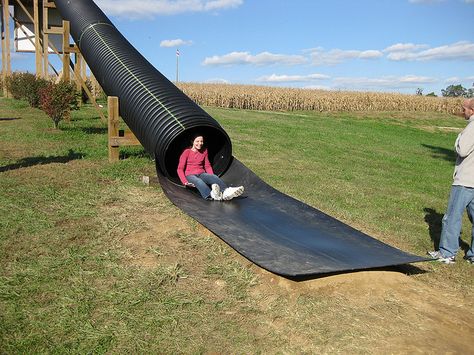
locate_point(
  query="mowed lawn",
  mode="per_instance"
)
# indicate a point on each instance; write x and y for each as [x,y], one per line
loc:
[94,261]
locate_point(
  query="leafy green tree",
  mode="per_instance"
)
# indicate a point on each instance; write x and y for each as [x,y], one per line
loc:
[454,91]
[470,92]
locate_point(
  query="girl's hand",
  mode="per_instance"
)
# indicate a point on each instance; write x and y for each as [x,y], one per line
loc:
[189,184]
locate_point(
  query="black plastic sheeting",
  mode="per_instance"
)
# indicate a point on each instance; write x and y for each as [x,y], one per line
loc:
[281,234]
[275,231]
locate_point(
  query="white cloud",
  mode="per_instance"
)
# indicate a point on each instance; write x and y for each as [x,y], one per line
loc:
[151,8]
[469,1]
[218,81]
[264,58]
[463,50]
[391,82]
[274,78]
[452,79]
[317,87]
[175,43]
[370,54]
[458,80]
[405,47]
[336,56]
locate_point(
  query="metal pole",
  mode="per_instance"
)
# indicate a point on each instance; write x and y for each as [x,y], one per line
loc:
[177,66]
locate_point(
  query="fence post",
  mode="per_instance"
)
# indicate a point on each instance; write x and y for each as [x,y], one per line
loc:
[113,126]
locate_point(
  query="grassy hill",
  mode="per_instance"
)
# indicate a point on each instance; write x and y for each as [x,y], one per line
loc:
[94,261]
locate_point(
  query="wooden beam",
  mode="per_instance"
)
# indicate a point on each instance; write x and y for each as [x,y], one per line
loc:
[4,55]
[54,30]
[83,68]
[77,74]
[45,42]
[74,49]
[38,51]
[115,140]
[66,55]
[90,96]
[128,139]
[6,25]
[113,126]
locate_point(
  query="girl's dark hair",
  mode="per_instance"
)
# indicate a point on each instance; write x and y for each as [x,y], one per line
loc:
[195,135]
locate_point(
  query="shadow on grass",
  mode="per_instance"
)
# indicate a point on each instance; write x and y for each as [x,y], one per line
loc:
[443,153]
[435,222]
[94,130]
[407,269]
[9,118]
[134,153]
[32,161]
[87,130]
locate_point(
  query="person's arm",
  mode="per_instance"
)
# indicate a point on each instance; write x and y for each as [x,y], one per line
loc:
[465,142]
[207,164]
[182,165]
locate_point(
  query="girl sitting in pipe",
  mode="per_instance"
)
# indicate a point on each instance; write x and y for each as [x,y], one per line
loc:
[195,170]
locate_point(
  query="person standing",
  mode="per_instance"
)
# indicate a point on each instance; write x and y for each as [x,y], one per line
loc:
[462,194]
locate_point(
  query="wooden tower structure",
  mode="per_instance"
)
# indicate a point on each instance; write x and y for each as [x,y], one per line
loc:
[39,29]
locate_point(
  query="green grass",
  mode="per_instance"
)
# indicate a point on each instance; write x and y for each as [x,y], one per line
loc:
[380,174]
[93,261]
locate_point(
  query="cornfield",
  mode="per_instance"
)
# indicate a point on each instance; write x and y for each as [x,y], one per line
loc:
[292,99]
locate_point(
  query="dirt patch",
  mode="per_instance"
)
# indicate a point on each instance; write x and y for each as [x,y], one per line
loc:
[384,310]
[441,129]
[157,245]
[442,320]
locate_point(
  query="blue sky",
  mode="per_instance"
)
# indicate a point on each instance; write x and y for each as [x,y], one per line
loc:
[363,45]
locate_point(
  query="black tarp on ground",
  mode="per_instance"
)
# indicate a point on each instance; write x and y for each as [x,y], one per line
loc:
[281,234]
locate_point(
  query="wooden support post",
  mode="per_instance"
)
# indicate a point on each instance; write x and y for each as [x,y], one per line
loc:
[38,51]
[91,97]
[66,61]
[4,56]
[113,126]
[83,68]
[7,69]
[116,139]
[45,41]
[77,74]
[66,54]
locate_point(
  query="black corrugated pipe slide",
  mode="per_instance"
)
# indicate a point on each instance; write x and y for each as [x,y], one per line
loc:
[161,116]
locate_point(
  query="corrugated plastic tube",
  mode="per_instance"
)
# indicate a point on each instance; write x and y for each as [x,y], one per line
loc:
[160,115]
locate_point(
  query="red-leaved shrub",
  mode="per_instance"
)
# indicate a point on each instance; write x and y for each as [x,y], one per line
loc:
[57,100]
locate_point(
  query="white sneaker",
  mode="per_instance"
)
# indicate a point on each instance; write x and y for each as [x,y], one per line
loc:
[436,255]
[216,193]
[232,192]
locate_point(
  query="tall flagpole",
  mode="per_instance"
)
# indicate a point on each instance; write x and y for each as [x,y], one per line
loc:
[177,66]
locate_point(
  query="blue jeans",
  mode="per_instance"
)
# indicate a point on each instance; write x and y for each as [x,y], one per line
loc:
[461,198]
[203,181]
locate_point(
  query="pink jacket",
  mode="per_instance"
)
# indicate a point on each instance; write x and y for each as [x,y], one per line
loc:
[193,163]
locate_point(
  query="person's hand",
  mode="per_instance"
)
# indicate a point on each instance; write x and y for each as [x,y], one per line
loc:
[190,184]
